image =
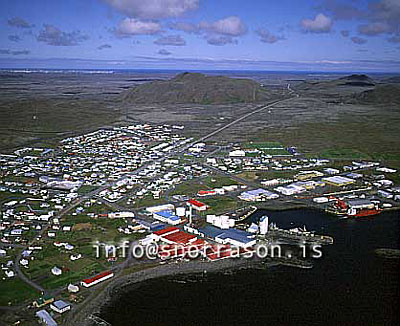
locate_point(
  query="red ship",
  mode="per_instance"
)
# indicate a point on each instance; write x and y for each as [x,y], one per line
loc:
[342,208]
[364,212]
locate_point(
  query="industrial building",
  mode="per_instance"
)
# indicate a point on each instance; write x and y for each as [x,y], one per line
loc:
[159,208]
[197,205]
[45,318]
[167,216]
[231,236]
[338,181]
[97,279]
[222,222]
[257,195]
[177,244]
[306,175]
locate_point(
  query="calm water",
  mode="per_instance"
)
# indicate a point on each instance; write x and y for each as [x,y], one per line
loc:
[350,285]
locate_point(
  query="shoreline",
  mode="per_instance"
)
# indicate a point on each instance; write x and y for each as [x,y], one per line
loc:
[103,296]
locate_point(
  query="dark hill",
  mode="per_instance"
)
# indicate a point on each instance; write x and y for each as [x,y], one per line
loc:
[341,87]
[356,80]
[381,94]
[197,88]
[394,80]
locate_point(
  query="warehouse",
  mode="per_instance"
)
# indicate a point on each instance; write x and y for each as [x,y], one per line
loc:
[172,235]
[257,195]
[338,181]
[199,206]
[222,221]
[306,175]
[159,208]
[231,236]
[45,318]
[97,279]
[177,243]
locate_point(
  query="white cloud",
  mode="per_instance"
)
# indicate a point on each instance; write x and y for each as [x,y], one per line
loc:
[153,9]
[131,26]
[221,40]
[185,27]
[267,37]
[231,26]
[358,40]
[164,52]
[320,24]
[175,40]
[52,35]
[374,29]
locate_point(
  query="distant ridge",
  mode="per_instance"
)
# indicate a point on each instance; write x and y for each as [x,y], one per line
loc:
[381,94]
[197,88]
[357,80]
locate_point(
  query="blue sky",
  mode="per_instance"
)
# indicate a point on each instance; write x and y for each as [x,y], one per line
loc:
[330,35]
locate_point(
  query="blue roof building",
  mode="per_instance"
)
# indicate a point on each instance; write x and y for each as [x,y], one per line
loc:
[167,216]
[231,236]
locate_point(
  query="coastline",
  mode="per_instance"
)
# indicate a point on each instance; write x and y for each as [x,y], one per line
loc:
[92,307]
[103,295]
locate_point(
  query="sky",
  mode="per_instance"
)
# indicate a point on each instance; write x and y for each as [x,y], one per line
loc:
[307,35]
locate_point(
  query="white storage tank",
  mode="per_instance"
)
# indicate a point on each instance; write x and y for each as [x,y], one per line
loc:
[181,211]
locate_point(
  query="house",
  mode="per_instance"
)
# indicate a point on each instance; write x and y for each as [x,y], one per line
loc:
[60,306]
[385,194]
[42,301]
[10,274]
[73,288]
[45,318]
[56,271]
[16,232]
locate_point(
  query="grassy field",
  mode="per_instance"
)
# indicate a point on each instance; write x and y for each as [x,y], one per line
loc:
[148,201]
[85,232]
[14,291]
[272,148]
[344,153]
[86,189]
[220,205]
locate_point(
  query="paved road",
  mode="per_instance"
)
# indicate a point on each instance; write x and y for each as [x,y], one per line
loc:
[257,110]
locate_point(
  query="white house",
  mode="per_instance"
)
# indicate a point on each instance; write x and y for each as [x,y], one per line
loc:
[60,306]
[56,271]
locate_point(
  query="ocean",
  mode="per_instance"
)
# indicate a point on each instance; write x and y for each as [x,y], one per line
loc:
[349,285]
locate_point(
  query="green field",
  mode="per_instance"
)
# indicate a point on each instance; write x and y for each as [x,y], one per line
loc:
[344,153]
[14,291]
[263,145]
[220,205]
[148,201]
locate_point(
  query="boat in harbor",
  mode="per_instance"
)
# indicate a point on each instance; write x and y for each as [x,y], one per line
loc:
[296,234]
[354,208]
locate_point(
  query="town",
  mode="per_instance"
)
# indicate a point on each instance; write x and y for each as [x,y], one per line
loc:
[151,184]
